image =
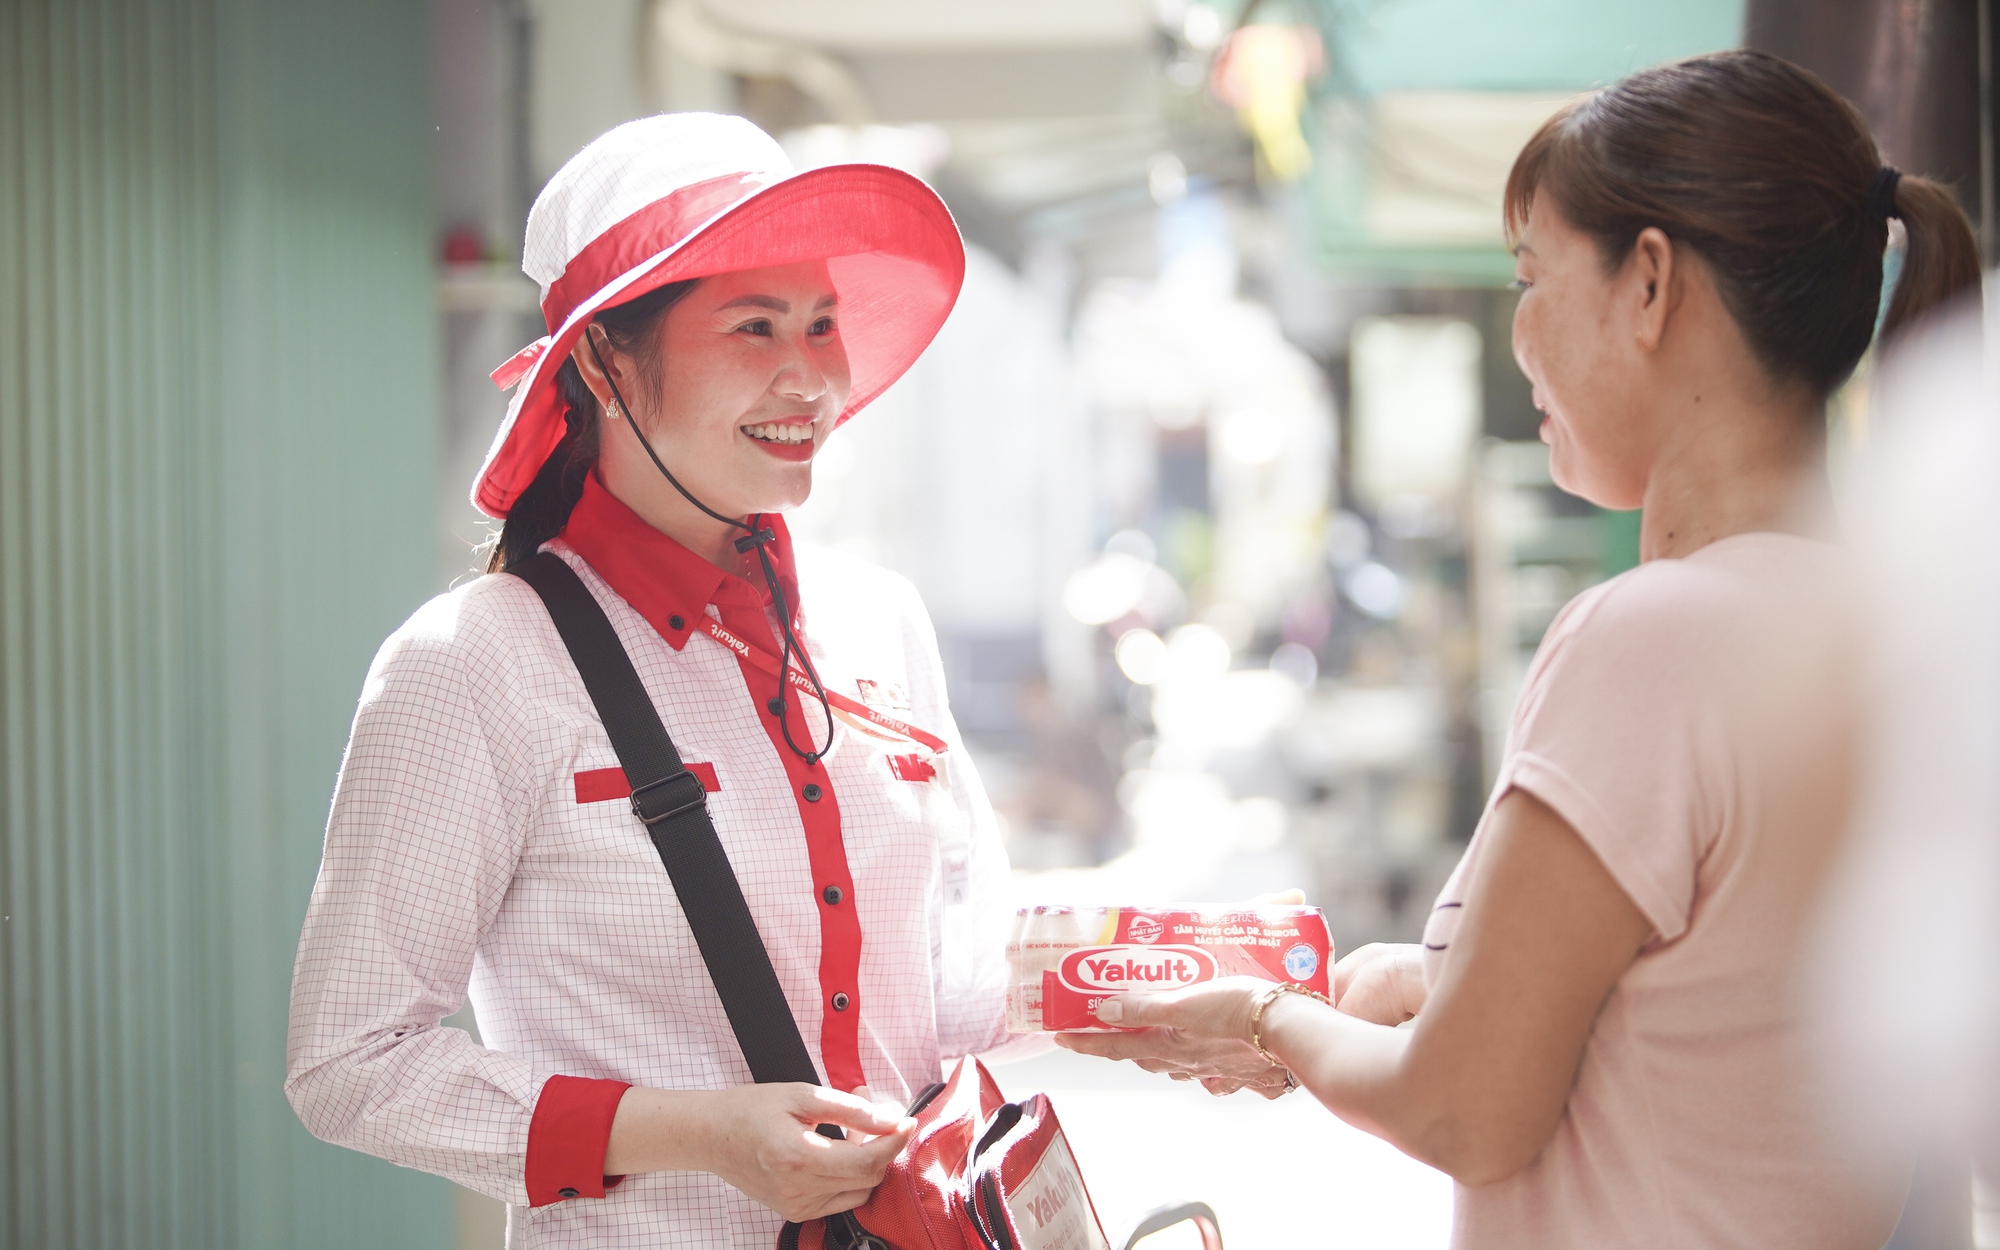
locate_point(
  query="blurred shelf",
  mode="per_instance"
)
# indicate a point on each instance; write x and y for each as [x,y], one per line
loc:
[1535,550]
[1559,540]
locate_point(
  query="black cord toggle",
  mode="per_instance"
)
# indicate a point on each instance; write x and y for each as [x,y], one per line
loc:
[792,647]
[757,539]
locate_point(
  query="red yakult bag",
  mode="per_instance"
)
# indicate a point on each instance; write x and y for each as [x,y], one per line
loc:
[980,1173]
[1065,960]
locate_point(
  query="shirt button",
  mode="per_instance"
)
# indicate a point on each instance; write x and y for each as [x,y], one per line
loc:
[831,895]
[676,622]
[566,1192]
[840,1002]
[775,707]
[811,792]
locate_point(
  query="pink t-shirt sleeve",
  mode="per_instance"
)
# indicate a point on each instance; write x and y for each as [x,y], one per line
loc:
[1619,732]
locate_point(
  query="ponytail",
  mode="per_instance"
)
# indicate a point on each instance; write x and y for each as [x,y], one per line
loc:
[543,509]
[1940,260]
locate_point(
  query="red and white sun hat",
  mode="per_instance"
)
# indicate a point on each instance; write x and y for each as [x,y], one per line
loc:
[691,195]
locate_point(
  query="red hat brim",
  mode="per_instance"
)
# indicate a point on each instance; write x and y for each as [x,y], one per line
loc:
[890,245]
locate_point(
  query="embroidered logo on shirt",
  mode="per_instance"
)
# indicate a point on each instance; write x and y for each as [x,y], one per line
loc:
[601,785]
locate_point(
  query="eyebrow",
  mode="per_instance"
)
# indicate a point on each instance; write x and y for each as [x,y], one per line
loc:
[773,303]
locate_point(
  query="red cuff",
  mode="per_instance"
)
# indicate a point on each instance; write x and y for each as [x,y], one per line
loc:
[567,1138]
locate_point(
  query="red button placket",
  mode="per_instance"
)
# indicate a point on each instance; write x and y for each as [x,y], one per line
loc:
[826,852]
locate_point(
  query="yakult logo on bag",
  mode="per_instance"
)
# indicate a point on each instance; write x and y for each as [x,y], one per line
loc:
[1116,968]
[1050,1207]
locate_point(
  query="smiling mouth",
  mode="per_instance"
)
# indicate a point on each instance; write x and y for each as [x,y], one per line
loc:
[782,433]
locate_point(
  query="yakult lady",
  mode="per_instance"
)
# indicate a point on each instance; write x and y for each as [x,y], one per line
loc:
[713,316]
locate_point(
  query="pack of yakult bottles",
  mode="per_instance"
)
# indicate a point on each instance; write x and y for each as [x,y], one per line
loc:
[1065,960]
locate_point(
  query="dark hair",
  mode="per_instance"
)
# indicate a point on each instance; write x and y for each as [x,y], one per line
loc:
[543,509]
[1761,168]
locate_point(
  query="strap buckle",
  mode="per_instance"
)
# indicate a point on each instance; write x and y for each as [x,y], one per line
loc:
[668,797]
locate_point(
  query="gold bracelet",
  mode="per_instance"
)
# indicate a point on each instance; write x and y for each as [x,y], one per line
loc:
[1264,1000]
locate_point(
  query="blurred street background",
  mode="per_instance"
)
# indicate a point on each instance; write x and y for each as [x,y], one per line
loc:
[1221,486]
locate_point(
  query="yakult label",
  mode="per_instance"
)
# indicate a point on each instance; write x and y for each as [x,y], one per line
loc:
[1066,960]
[1120,968]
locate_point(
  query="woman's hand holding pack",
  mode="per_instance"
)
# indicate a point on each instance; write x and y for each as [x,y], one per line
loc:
[1202,1033]
[1199,1033]
[763,1140]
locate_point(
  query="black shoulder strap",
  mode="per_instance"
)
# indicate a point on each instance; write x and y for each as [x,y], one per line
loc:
[674,806]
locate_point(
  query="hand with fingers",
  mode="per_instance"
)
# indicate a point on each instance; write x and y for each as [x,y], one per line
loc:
[1199,1033]
[763,1139]
[1382,982]
[1273,1082]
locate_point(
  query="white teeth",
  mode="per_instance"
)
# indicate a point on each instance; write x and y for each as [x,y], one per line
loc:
[773,432]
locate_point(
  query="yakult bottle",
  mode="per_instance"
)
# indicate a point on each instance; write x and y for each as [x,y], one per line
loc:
[1065,960]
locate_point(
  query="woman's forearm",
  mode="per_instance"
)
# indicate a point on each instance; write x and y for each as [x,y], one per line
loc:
[1479,1084]
[661,1130]
[1355,1068]
[1377,1078]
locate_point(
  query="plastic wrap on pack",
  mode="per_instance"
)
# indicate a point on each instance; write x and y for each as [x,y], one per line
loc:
[1063,961]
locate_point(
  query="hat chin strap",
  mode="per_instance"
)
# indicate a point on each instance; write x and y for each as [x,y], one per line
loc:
[757,537]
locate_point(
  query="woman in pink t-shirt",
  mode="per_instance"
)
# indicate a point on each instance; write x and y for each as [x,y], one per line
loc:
[1604,1047]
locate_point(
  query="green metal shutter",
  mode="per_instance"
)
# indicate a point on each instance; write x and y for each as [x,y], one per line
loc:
[218,448]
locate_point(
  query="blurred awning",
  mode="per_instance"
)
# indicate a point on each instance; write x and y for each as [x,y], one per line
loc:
[1050,111]
[928,25]
[1409,183]
[1427,102]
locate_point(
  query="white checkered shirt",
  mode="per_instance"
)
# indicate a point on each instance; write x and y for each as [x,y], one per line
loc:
[458,858]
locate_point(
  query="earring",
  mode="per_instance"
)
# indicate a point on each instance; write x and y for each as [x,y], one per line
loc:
[613,411]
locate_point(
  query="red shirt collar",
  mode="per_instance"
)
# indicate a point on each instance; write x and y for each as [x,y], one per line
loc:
[662,580]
